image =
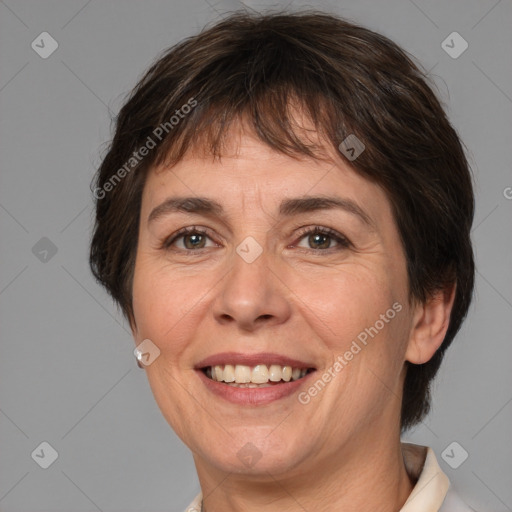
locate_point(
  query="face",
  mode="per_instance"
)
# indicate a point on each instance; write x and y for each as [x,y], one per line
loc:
[286,273]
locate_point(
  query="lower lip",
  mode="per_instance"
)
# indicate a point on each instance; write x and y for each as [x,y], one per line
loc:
[252,396]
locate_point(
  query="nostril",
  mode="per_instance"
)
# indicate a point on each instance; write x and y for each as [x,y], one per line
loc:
[264,317]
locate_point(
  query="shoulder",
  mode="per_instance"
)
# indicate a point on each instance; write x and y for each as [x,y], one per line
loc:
[454,503]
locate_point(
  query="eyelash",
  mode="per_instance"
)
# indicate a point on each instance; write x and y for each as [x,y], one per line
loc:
[181,233]
[343,241]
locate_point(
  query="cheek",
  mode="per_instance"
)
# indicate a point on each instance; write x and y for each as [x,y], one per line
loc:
[156,305]
[166,305]
[344,303]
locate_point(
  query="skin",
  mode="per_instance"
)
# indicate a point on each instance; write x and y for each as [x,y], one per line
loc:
[341,451]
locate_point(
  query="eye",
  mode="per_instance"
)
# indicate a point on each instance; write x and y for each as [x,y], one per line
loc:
[189,239]
[319,238]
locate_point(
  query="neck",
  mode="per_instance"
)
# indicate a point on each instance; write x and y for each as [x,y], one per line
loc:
[367,474]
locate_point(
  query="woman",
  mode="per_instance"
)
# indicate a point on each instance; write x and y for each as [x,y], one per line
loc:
[284,217]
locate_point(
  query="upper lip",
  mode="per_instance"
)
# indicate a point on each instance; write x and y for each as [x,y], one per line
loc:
[267,358]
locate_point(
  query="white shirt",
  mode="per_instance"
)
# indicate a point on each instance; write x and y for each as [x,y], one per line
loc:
[431,493]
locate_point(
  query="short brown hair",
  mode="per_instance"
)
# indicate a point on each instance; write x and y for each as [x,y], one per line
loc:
[346,80]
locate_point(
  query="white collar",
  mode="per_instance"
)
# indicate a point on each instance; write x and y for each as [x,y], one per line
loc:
[432,484]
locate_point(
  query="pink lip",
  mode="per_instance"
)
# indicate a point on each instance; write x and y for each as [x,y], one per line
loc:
[253,396]
[267,358]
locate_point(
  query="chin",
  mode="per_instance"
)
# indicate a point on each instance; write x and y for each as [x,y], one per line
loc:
[256,455]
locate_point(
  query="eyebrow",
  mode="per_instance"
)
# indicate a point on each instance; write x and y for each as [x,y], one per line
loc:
[310,204]
[186,205]
[287,208]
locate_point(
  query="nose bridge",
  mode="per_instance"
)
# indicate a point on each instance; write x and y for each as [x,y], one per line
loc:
[251,295]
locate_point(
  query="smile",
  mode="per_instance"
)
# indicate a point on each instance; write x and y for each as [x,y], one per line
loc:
[253,379]
[260,375]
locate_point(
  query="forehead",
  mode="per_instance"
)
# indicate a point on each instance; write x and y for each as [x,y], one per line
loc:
[250,174]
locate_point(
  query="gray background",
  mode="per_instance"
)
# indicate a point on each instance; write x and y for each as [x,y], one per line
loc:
[67,371]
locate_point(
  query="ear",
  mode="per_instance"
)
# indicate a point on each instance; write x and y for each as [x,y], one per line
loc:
[429,325]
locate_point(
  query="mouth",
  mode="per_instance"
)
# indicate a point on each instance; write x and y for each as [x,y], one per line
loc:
[258,376]
[252,379]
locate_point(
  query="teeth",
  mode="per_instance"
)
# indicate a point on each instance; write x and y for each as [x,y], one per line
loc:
[229,373]
[219,374]
[275,373]
[257,376]
[242,373]
[287,373]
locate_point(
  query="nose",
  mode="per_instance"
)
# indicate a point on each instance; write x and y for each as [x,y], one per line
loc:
[251,296]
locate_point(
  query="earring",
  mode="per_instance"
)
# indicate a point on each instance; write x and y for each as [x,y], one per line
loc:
[138,356]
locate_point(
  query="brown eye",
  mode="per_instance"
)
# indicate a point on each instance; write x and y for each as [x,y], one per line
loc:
[194,241]
[322,239]
[319,241]
[189,239]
